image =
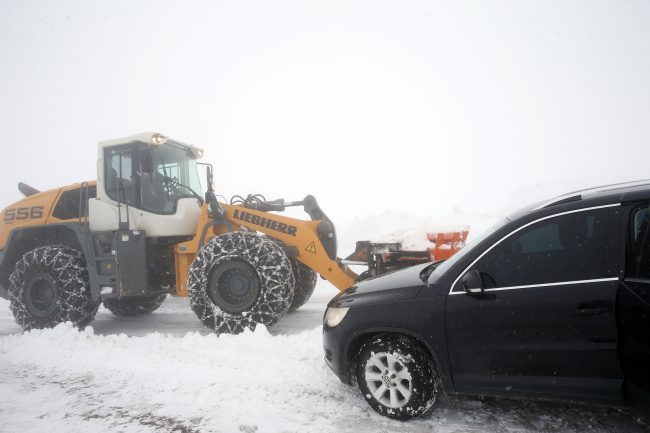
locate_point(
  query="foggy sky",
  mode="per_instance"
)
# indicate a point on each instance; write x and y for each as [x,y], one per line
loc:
[415,106]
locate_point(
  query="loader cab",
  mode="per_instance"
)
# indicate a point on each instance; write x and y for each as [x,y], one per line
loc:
[151,178]
[155,178]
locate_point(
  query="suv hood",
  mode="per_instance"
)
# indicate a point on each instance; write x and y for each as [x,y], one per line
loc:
[395,286]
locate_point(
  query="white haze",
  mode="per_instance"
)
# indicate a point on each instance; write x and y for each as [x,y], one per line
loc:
[368,105]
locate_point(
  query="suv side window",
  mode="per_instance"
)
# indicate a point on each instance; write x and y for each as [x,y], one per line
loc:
[639,263]
[560,249]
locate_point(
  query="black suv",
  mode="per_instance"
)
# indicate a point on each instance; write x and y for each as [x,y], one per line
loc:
[553,302]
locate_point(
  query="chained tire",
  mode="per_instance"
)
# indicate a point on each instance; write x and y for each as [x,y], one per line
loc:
[306,279]
[134,306]
[239,280]
[397,376]
[50,285]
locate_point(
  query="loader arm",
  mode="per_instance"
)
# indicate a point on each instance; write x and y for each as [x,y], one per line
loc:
[302,240]
[303,235]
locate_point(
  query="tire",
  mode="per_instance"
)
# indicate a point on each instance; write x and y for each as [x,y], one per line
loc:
[134,306]
[306,279]
[396,376]
[239,280]
[50,285]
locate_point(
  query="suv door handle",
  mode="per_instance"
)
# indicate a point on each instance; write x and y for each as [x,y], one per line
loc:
[590,311]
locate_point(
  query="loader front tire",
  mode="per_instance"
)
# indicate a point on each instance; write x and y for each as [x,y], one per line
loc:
[50,285]
[239,280]
[306,279]
[134,306]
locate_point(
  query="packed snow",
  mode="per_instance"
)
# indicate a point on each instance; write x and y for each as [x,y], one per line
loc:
[167,373]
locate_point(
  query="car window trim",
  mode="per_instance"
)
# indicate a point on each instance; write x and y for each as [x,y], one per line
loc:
[451,292]
[561,283]
[638,280]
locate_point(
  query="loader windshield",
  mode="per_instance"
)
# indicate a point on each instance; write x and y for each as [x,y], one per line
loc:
[152,178]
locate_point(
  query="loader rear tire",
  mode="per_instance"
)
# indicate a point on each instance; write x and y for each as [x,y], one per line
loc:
[306,279]
[50,285]
[134,306]
[239,280]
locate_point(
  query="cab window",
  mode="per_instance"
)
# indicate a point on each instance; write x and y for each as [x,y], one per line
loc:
[151,178]
[118,172]
[174,176]
[67,207]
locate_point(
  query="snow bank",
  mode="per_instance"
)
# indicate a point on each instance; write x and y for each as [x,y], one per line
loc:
[224,383]
[409,230]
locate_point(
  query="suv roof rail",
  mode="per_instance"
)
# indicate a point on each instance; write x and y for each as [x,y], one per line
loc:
[579,195]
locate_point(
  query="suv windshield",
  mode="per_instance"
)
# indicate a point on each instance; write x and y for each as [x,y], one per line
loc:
[151,178]
[444,266]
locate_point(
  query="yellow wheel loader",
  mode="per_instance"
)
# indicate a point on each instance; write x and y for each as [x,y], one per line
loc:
[143,231]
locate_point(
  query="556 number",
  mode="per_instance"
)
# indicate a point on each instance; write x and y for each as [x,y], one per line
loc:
[23,213]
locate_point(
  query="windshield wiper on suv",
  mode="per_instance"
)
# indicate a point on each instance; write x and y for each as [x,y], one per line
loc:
[426,272]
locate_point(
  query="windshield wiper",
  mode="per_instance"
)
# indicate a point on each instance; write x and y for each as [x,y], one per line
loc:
[426,272]
[176,182]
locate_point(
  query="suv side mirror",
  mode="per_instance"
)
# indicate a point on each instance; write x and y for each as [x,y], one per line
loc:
[472,283]
[146,160]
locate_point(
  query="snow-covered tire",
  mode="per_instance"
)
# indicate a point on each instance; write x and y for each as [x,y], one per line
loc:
[239,280]
[397,376]
[50,285]
[134,306]
[306,279]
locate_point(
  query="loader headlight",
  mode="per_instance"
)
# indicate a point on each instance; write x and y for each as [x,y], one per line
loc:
[158,139]
[333,316]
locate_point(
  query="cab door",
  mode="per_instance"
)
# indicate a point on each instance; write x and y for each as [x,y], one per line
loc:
[545,324]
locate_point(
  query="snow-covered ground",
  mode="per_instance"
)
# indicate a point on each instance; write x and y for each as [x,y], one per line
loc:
[166,372]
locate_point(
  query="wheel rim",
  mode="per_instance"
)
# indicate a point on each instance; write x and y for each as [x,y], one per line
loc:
[234,286]
[41,295]
[388,380]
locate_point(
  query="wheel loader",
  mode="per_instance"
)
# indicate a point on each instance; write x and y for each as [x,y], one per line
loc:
[142,231]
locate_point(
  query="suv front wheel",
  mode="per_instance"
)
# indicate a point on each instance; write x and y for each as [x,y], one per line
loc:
[397,376]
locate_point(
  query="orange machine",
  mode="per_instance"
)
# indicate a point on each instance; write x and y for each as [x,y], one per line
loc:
[141,232]
[447,244]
